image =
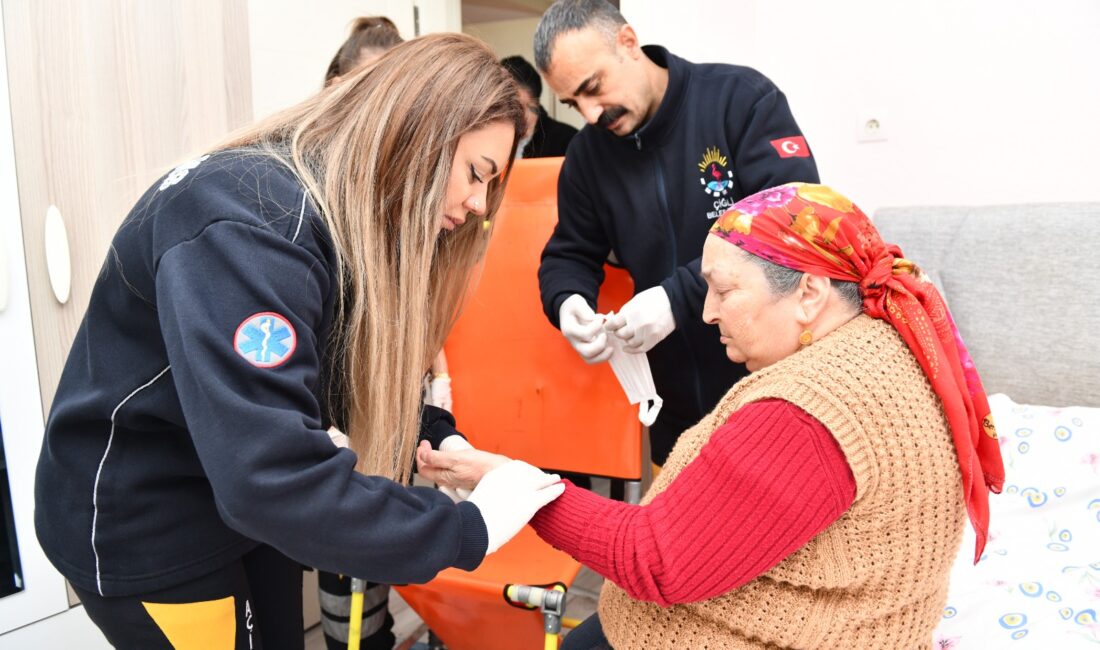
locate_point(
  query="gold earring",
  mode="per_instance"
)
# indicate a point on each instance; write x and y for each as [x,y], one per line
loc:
[806,337]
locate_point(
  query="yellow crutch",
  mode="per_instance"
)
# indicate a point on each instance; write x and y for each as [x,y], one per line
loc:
[355,617]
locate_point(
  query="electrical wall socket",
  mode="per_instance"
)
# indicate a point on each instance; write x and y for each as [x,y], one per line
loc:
[871,127]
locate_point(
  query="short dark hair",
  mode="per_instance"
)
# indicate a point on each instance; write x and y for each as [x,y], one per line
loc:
[524,73]
[367,32]
[569,15]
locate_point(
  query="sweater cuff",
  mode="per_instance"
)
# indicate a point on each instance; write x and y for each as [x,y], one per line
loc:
[473,538]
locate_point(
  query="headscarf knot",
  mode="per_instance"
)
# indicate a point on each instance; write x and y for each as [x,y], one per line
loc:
[887,263]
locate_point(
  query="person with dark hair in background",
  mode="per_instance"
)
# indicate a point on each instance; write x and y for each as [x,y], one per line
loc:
[545,136]
[670,145]
[370,37]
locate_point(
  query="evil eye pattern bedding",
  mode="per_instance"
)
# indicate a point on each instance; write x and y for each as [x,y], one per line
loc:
[1037,585]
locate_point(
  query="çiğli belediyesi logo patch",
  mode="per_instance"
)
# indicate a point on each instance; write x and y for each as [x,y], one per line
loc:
[716,179]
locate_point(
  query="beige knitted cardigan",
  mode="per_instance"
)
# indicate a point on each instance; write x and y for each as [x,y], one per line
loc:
[876,578]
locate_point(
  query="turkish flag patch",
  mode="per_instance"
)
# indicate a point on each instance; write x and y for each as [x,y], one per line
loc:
[792,147]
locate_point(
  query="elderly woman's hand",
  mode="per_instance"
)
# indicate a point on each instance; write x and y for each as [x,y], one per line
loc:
[456,469]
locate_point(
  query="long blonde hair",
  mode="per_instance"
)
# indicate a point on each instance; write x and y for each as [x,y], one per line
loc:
[375,151]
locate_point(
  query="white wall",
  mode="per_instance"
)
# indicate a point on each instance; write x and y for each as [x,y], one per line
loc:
[439,16]
[984,101]
[511,37]
[293,41]
[507,37]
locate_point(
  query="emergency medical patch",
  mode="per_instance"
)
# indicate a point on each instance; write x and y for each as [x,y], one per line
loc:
[265,339]
[791,147]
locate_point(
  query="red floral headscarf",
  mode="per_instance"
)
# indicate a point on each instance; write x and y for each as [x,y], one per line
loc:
[813,229]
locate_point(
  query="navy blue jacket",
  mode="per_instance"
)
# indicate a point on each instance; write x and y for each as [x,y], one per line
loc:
[550,138]
[190,421]
[717,136]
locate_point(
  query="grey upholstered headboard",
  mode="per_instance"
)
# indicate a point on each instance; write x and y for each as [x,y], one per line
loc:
[1023,283]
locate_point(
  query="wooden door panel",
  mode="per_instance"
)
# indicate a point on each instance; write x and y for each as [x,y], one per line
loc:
[106,96]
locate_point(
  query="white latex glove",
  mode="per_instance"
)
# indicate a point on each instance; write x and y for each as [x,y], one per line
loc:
[455,443]
[583,328]
[509,495]
[439,392]
[644,321]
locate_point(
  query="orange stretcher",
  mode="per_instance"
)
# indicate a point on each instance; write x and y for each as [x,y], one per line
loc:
[522,391]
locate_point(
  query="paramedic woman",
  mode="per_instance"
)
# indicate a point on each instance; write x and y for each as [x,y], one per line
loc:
[296,277]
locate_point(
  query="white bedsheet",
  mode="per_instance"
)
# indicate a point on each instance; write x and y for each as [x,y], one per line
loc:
[1038,583]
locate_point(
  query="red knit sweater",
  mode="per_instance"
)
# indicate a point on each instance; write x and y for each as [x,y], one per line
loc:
[766,482]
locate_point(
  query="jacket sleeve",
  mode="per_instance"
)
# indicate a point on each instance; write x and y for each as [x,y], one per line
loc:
[686,291]
[436,425]
[757,160]
[573,259]
[275,475]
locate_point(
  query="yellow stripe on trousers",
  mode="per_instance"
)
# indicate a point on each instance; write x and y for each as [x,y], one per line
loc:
[205,625]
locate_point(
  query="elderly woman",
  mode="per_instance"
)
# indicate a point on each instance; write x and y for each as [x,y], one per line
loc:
[821,504]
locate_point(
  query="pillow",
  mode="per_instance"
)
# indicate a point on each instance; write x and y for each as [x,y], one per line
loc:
[1037,585]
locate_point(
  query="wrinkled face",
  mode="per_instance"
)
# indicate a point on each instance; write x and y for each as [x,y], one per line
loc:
[604,81]
[480,156]
[531,110]
[756,327]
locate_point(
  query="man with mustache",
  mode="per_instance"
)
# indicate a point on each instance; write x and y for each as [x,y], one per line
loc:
[670,145]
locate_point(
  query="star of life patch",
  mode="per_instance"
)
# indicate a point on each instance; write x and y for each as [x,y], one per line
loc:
[265,339]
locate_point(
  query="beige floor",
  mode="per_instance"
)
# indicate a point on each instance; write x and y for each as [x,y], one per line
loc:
[409,629]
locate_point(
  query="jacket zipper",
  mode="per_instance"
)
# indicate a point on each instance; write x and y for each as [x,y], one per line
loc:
[662,197]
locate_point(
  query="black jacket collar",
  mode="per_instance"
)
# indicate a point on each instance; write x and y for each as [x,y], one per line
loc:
[653,133]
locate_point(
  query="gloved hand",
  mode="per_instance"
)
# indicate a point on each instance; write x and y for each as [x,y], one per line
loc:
[583,328]
[644,321]
[439,391]
[455,443]
[509,495]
